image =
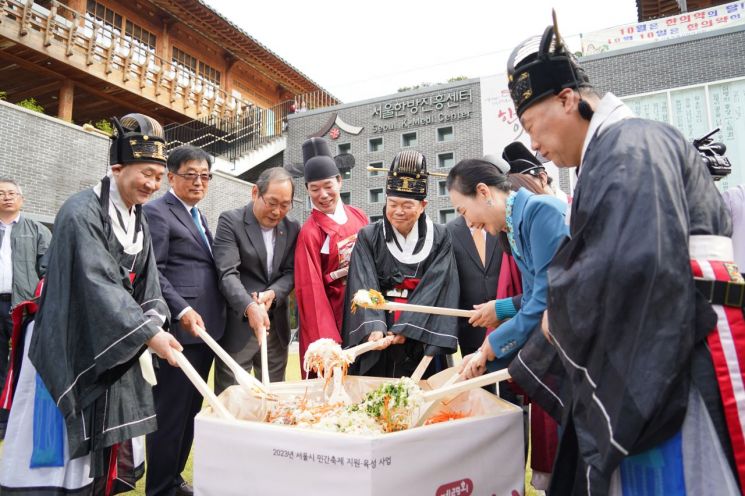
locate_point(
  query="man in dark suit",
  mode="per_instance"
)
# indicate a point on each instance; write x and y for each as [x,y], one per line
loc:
[478,257]
[182,244]
[254,252]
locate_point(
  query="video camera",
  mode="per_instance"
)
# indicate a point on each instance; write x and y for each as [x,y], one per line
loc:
[713,155]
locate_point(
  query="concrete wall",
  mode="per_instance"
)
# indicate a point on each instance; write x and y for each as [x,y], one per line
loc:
[52,159]
[670,64]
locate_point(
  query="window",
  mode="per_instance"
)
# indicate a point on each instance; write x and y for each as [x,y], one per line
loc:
[140,40]
[209,73]
[343,148]
[102,18]
[191,67]
[442,189]
[103,15]
[375,218]
[445,134]
[445,160]
[408,140]
[446,215]
[376,144]
[376,195]
[346,198]
[377,165]
[346,174]
[184,61]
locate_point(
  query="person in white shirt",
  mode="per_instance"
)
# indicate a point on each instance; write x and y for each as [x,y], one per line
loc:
[23,243]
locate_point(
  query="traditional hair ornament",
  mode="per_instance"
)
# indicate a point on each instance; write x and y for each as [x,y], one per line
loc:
[137,138]
[542,66]
[408,176]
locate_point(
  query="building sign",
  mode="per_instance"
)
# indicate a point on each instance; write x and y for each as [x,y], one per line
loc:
[666,28]
[417,111]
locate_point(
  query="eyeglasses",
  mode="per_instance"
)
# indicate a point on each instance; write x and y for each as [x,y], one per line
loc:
[273,204]
[10,195]
[192,176]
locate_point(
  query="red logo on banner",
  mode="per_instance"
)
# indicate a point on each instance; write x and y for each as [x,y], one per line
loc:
[463,487]
[334,133]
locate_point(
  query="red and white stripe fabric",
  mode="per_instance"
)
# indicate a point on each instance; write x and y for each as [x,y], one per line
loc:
[727,344]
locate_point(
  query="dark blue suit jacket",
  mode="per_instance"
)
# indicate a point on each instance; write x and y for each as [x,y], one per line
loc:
[188,276]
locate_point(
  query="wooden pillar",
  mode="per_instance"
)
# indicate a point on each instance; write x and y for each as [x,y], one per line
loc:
[227,82]
[79,6]
[66,95]
[163,42]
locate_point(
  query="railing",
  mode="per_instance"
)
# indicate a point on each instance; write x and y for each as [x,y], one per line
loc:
[119,55]
[314,100]
[231,137]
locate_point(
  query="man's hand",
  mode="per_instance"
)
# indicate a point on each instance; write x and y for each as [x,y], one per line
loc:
[190,320]
[163,344]
[266,298]
[486,315]
[385,341]
[258,318]
[397,338]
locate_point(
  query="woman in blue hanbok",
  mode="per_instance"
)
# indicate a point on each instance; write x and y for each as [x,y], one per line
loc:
[534,226]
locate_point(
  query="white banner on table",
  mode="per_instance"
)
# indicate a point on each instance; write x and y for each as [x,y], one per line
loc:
[666,28]
[472,456]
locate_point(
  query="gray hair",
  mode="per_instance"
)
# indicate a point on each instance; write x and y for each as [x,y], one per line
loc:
[272,175]
[13,182]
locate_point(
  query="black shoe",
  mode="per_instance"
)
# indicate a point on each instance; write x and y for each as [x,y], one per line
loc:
[184,489]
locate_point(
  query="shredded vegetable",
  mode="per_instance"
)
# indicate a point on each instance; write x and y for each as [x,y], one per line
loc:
[367,299]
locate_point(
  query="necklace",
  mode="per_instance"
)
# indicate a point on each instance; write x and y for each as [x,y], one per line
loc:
[510,227]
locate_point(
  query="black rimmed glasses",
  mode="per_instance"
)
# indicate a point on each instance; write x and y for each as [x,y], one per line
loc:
[193,176]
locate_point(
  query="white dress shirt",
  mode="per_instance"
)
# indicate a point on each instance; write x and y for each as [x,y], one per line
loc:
[270,239]
[340,217]
[6,257]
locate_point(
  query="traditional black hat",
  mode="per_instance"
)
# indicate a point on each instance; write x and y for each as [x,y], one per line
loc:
[521,160]
[407,176]
[502,166]
[318,163]
[137,138]
[543,66]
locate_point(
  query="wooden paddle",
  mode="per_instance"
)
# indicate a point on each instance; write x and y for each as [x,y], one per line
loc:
[243,378]
[201,386]
[421,368]
[362,299]
[449,389]
[358,350]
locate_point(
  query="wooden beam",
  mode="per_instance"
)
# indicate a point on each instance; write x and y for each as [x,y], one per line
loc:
[34,91]
[65,99]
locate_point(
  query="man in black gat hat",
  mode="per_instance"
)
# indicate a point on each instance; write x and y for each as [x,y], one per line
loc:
[100,309]
[324,246]
[408,259]
[624,315]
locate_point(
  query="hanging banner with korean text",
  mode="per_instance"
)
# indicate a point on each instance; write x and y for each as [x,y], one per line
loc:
[666,28]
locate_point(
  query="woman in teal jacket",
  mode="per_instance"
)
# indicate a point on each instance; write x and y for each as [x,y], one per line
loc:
[535,226]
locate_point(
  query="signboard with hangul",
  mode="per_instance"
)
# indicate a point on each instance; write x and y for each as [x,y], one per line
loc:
[422,105]
[712,18]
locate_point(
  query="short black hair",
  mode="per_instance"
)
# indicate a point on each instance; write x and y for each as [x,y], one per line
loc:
[187,153]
